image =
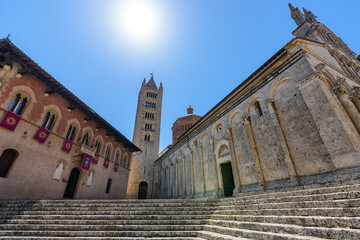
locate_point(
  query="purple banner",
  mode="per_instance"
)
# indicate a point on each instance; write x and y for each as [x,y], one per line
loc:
[67,145]
[10,121]
[116,167]
[106,162]
[41,135]
[86,162]
[95,158]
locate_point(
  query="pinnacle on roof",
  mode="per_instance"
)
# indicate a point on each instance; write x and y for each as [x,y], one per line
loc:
[151,82]
[190,110]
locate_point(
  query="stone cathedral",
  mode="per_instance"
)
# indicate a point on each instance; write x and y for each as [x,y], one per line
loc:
[294,121]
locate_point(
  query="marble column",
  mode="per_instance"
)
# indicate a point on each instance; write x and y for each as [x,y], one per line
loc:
[235,163]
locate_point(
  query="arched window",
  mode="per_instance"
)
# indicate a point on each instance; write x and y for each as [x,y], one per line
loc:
[97,146]
[108,151]
[125,161]
[18,104]
[7,159]
[48,120]
[71,132]
[147,137]
[108,186]
[258,108]
[85,140]
[116,157]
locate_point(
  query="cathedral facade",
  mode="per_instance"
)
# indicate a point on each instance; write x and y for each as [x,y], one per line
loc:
[52,145]
[294,121]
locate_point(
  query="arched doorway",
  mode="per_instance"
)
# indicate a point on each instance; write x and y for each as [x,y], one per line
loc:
[142,190]
[72,183]
[7,159]
[228,179]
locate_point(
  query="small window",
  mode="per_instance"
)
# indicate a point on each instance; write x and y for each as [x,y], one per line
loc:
[147,137]
[97,146]
[108,186]
[107,153]
[71,132]
[18,104]
[258,108]
[7,159]
[85,140]
[48,120]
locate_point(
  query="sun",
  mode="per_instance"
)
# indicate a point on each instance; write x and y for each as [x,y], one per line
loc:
[138,19]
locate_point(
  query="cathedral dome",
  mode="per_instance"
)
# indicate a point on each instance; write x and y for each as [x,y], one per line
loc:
[182,124]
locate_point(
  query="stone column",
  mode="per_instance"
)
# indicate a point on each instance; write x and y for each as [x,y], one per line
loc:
[177,178]
[212,143]
[337,134]
[235,161]
[288,159]
[259,170]
[355,97]
[201,149]
[342,93]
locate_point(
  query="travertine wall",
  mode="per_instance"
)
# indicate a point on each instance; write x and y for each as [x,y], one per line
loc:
[32,174]
[306,131]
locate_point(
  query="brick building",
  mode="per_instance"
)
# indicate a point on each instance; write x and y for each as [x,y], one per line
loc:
[52,145]
[182,124]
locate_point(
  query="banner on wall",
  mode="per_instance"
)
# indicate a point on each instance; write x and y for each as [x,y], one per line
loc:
[106,162]
[95,158]
[86,162]
[67,145]
[41,135]
[116,167]
[10,121]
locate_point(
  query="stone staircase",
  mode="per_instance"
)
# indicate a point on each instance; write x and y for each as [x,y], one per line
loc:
[328,211]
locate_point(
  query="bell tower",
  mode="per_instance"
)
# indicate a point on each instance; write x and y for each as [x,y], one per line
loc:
[147,138]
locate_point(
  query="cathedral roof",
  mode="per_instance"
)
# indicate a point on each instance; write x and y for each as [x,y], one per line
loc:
[6,45]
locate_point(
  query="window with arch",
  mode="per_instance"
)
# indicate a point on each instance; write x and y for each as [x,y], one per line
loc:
[258,108]
[7,159]
[125,161]
[147,137]
[117,156]
[97,146]
[108,186]
[107,152]
[49,120]
[18,104]
[86,139]
[71,132]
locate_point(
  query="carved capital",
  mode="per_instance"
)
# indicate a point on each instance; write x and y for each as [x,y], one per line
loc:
[340,87]
[246,118]
[355,94]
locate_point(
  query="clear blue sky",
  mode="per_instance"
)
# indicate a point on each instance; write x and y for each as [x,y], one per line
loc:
[205,48]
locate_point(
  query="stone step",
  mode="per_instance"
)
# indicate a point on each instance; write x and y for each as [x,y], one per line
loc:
[98,227]
[315,221]
[245,233]
[332,212]
[218,236]
[96,209]
[289,193]
[103,222]
[119,205]
[100,238]
[321,232]
[338,184]
[92,234]
[303,204]
[105,217]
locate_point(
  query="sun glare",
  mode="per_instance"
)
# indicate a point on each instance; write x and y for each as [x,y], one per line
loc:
[138,19]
